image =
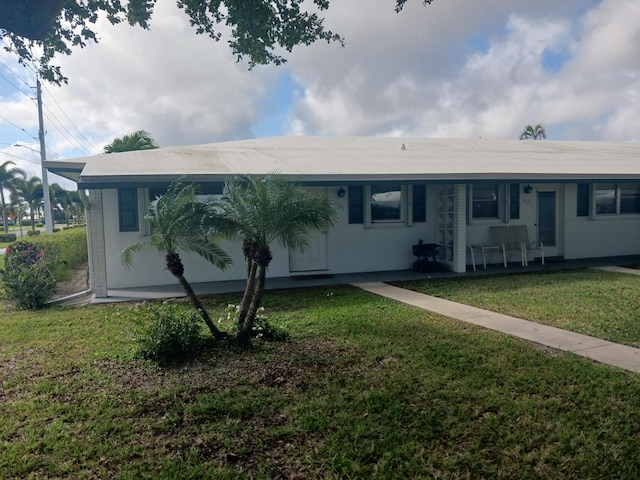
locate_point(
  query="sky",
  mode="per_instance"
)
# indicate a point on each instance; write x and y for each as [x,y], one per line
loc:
[452,69]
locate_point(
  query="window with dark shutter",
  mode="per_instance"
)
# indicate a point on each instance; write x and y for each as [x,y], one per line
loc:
[583,200]
[128,209]
[514,201]
[419,203]
[356,204]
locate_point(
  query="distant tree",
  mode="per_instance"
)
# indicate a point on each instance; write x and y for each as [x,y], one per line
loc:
[176,220]
[8,177]
[57,197]
[258,27]
[76,204]
[533,133]
[63,199]
[140,140]
[261,212]
[30,191]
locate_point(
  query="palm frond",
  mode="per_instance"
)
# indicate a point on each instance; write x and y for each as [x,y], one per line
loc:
[126,256]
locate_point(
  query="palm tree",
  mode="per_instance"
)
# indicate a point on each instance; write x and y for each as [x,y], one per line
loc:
[56,193]
[140,140]
[8,176]
[261,212]
[30,191]
[533,133]
[176,221]
[64,201]
[76,204]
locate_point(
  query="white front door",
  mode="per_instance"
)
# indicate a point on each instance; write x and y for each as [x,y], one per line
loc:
[313,258]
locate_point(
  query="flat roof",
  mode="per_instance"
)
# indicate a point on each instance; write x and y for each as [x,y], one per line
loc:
[343,159]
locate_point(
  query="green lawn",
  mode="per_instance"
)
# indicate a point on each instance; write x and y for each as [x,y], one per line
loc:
[366,388]
[594,302]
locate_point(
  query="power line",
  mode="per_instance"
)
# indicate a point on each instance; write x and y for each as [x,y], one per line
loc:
[70,121]
[16,75]
[57,124]
[16,126]
[20,158]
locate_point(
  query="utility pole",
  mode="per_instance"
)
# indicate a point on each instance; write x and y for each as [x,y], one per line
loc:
[43,157]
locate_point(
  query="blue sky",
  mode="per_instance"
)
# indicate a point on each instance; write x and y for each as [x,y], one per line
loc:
[455,69]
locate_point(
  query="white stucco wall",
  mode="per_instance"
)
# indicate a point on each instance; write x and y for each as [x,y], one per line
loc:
[351,248]
[600,236]
[379,247]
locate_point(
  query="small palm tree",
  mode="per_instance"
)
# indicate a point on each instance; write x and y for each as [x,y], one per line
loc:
[8,177]
[533,133]
[140,140]
[260,213]
[176,221]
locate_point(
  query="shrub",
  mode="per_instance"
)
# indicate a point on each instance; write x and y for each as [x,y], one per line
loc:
[165,333]
[27,276]
[54,230]
[39,225]
[8,237]
[32,233]
[262,328]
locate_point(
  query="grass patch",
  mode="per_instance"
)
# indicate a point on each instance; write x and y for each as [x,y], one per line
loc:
[594,302]
[365,388]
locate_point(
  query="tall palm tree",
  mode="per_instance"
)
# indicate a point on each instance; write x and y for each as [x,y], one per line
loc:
[8,176]
[176,221]
[56,193]
[533,133]
[30,191]
[63,199]
[76,204]
[140,140]
[262,212]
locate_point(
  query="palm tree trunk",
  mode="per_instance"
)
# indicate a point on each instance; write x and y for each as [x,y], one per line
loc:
[252,267]
[217,334]
[244,335]
[4,212]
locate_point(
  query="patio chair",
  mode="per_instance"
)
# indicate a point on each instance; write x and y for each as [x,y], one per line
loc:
[520,235]
[477,250]
[502,238]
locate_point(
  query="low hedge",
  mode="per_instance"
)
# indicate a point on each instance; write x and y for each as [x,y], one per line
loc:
[33,233]
[68,247]
[7,237]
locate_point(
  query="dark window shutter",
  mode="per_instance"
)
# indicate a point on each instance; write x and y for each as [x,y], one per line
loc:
[583,200]
[419,203]
[514,201]
[128,209]
[356,204]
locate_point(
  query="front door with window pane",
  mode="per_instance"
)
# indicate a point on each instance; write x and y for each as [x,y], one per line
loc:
[548,223]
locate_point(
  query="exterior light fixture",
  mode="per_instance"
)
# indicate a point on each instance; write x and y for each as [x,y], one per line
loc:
[528,189]
[341,192]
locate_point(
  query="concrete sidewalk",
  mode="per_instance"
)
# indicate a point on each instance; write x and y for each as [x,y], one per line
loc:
[593,348]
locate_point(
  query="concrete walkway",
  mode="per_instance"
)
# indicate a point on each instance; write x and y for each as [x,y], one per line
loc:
[593,348]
